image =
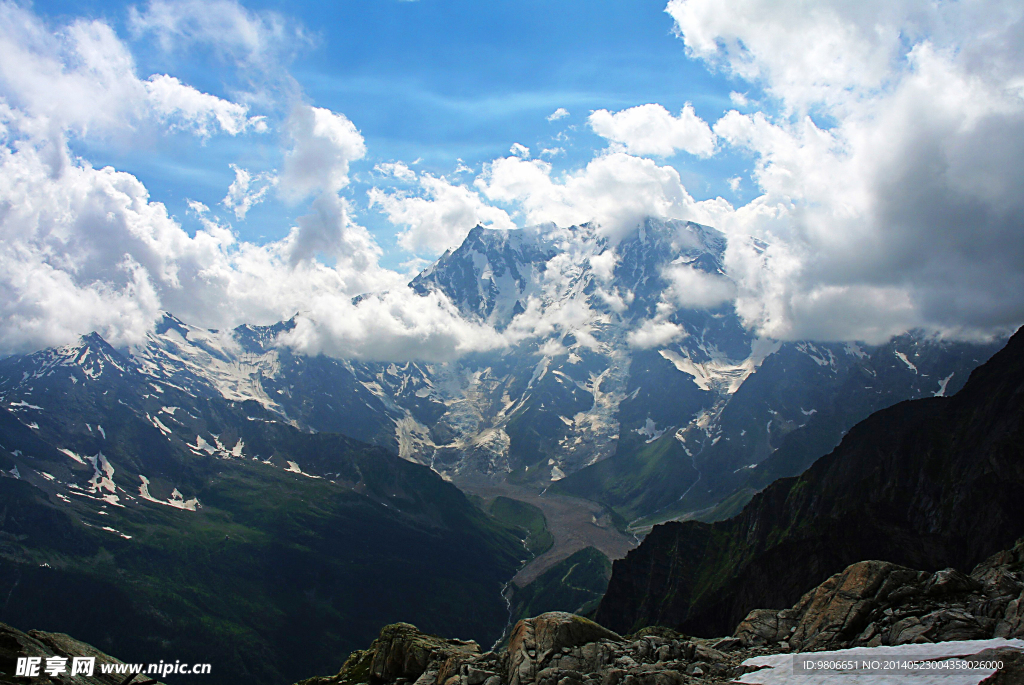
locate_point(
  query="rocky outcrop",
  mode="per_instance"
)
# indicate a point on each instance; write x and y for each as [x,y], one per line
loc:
[37,643]
[557,640]
[874,603]
[555,648]
[402,653]
[926,484]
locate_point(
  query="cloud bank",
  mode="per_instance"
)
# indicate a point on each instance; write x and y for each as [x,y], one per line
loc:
[907,211]
[886,143]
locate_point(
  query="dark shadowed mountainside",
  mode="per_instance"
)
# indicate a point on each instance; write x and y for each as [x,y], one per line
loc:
[927,483]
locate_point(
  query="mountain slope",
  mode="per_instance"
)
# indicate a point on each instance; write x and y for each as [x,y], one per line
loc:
[927,483]
[154,520]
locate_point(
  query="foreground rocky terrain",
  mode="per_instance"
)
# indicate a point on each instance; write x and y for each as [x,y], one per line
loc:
[869,604]
[873,603]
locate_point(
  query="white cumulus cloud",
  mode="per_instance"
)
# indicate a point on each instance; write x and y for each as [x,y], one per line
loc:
[439,218]
[323,144]
[652,130]
[900,204]
[616,190]
[653,333]
[559,113]
[247,191]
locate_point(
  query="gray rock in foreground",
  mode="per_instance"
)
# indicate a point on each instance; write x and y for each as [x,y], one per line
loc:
[874,603]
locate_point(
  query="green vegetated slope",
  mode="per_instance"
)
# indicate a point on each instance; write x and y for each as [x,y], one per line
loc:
[527,520]
[575,584]
[276,576]
[642,478]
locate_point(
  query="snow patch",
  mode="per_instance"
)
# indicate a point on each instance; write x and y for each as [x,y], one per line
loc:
[719,373]
[294,468]
[941,392]
[650,431]
[910,364]
[72,455]
[177,500]
[855,350]
[23,405]
[779,669]
[158,424]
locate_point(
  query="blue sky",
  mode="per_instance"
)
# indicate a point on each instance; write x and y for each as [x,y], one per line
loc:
[236,162]
[430,81]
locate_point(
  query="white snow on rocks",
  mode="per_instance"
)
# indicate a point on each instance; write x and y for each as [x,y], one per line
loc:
[780,666]
[650,431]
[941,392]
[910,364]
[294,468]
[719,373]
[177,500]
[102,481]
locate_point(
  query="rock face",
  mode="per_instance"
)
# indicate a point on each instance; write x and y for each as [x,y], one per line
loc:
[37,643]
[926,484]
[874,603]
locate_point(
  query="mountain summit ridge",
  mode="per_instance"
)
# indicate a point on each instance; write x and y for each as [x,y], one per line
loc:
[625,379]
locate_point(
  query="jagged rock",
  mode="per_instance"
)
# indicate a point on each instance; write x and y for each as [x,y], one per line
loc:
[839,608]
[728,644]
[37,643]
[950,582]
[762,627]
[551,649]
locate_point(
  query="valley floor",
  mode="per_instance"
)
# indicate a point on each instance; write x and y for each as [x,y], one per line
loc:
[575,523]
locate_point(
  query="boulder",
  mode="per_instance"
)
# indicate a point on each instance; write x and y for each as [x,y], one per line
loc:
[535,641]
[403,651]
[838,609]
[1012,672]
[761,627]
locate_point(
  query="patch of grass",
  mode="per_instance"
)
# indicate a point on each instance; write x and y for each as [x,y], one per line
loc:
[526,518]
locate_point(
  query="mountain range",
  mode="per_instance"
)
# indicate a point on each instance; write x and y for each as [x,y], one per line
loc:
[216,485]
